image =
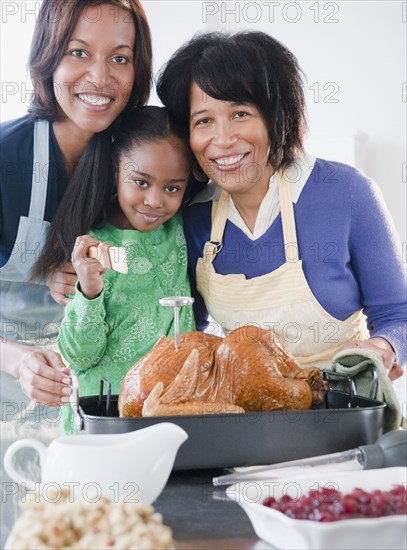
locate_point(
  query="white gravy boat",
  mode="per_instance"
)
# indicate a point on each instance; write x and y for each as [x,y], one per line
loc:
[133,466]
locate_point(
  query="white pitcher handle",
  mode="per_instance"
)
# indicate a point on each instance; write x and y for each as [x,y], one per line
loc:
[9,465]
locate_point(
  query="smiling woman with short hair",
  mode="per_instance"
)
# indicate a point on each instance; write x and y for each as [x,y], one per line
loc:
[305,247]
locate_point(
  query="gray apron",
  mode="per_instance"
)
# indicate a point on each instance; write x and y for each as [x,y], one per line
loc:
[28,312]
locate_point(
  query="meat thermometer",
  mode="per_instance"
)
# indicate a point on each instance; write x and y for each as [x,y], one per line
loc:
[176,302]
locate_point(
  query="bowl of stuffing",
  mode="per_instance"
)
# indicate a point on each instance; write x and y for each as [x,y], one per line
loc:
[58,521]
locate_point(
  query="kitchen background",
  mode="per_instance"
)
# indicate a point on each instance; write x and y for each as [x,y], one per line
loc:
[353,54]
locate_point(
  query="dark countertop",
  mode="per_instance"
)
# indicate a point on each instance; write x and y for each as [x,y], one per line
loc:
[201,516]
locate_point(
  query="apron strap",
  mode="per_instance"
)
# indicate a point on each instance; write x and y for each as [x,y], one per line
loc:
[220,214]
[287,218]
[220,211]
[40,170]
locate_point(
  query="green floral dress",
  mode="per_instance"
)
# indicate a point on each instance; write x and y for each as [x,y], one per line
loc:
[104,337]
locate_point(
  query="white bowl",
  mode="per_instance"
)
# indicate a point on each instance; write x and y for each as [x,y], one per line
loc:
[286,533]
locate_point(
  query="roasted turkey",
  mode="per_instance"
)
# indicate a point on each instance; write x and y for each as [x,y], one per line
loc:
[249,370]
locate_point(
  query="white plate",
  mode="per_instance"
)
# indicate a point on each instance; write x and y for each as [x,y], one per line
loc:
[286,533]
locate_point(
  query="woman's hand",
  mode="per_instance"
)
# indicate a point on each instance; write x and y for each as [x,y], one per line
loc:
[384,349]
[90,271]
[44,377]
[62,282]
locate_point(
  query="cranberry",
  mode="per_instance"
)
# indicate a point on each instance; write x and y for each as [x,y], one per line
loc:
[328,504]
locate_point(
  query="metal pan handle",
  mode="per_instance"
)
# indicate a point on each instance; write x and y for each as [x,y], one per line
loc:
[74,402]
[330,375]
[104,381]
[375,382]
[352,385]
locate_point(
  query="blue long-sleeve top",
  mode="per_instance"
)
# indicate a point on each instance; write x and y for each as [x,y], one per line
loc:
[350,249]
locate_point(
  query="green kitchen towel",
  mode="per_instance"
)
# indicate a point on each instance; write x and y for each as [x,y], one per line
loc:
[358,363]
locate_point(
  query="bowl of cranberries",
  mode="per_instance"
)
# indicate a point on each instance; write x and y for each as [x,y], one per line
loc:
[332,511]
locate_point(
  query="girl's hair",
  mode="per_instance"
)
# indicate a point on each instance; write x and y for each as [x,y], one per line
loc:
[247,67]
[149,124]
[88,194]
[146,124]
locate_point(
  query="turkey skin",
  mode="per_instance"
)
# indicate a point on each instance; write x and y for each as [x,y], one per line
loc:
[249,370]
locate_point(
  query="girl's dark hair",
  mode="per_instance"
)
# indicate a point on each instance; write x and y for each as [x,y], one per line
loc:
[146,124]
[83,205]
[247,67]
[90,187]
[149,124]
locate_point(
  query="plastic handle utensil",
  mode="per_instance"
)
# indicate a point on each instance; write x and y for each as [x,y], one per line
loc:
[176,302]
[389,450]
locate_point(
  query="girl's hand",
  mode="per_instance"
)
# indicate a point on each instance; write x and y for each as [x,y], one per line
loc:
[384,349]
[62,282]
[44,377]
[90,271]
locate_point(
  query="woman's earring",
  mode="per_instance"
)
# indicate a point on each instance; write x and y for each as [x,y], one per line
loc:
[198,173]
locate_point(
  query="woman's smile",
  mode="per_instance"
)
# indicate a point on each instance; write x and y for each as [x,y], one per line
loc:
[231,162]
[95,100]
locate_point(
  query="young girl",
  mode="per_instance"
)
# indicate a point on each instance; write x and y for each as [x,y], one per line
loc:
[114,318]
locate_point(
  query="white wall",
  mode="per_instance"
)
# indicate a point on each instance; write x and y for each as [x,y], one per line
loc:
[17,24]
[352,52]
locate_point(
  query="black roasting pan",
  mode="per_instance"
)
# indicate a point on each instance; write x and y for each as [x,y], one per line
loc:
[225,440]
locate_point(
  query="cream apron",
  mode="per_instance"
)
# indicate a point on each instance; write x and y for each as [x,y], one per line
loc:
[28,311]
[281,301]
